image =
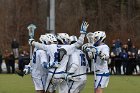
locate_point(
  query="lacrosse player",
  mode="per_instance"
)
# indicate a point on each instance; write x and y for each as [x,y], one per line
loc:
[39,73]
[77,65]
[38,65]
[50,48]
[52,82]
[98,51]
[63,40]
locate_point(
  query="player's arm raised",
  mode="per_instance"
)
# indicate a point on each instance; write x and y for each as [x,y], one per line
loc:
[83,32]
[80,40]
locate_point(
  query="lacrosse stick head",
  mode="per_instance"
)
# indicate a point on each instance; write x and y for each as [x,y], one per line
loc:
[31,28]
[90,37]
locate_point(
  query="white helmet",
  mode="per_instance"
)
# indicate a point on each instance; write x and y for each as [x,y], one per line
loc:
[90,37]
[63,37]
[73,38]
[99,36]
[43,39]
[50,38]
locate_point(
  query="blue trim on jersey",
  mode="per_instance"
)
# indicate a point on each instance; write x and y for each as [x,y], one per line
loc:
[104,74]
[62,72]
[99,84]
[48,65]
[59,46]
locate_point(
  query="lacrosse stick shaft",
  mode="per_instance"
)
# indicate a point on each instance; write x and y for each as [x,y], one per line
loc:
[31,48]
[82,74]
[76,75]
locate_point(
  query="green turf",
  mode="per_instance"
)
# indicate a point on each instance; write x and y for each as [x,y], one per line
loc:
[11,83]
[117,84]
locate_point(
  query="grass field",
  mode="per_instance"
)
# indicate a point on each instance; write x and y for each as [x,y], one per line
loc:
[11,83]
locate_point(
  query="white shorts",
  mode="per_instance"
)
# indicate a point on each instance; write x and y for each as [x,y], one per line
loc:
[62,87]
[56,82]
[76,86]
[101,80]
[39,83]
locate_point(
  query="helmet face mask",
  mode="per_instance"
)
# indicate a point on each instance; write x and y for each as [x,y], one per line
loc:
[96,39]
[73,39]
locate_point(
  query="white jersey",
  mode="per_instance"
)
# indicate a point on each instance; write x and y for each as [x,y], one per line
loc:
[39,56]
[60,72]
[70,49]
[80,64]
[101,66]
[63,64]
[51,51]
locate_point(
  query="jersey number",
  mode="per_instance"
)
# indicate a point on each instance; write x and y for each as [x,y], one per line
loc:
[34,57]
[83,60]
[56,57]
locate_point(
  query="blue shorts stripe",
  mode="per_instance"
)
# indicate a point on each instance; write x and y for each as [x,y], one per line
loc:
[104,74]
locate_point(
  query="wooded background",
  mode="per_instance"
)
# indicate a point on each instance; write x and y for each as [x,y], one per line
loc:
[118,18]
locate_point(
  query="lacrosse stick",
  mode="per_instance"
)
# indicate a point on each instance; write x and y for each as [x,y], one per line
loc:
[31,28]
[46,89]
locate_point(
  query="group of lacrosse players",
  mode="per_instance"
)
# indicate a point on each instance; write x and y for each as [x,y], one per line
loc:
[60,61]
